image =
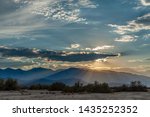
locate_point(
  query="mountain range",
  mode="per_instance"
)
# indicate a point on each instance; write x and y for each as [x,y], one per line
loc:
[71,75]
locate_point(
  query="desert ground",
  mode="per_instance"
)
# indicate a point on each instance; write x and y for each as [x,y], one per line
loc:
[48,95]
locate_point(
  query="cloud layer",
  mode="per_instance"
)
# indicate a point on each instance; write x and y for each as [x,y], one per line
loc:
[133,29]
[65,10]
[141,23]
[23,16]
[52,55]
[126,38]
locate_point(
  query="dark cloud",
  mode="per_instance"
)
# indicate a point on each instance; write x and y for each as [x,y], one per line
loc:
[58,56]
[144,19]
[148,59]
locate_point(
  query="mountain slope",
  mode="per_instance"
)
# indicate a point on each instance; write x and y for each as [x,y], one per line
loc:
[72,75]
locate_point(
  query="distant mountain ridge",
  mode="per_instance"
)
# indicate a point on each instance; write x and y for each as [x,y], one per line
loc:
[71,75]
[25,76]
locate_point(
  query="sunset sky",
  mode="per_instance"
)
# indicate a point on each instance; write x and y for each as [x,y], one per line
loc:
[101,34]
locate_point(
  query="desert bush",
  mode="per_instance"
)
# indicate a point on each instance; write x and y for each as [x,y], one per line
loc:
[11,84]
[38,87]
[134,86]
[89,88]
[57,86]
[78,87]
[2,84]
[137,86]
[98,88]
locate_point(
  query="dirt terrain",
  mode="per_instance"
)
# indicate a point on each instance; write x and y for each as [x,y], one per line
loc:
[47,95]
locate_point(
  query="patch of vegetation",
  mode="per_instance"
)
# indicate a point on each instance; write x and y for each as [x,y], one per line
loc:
[57,86]
[89,88]
[9,84]
[2,84]
[38,87]
[76,88]
[96,87]
[92,88]
[135,86]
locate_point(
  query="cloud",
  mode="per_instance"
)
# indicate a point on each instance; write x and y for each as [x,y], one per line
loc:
[140,24]
[135,60]
[126,38]
[66,10]
[86,3]
[73,46]
[145,2]
[101,60]
[104,47]
[7,6]
[25,16]
[52,55]
[19,21]
[139,60]
[148,59]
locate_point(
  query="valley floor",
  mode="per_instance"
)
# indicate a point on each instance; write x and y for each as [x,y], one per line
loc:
[46,95]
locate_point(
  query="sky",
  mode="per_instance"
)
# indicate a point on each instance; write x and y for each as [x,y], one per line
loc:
[94,34]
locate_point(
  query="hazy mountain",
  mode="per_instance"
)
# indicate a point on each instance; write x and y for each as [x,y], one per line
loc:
[25,76]
[72,75]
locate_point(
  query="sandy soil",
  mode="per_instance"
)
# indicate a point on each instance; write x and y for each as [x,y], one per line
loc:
[46,95]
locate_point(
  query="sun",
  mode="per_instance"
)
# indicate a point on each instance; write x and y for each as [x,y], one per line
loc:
[99,65]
